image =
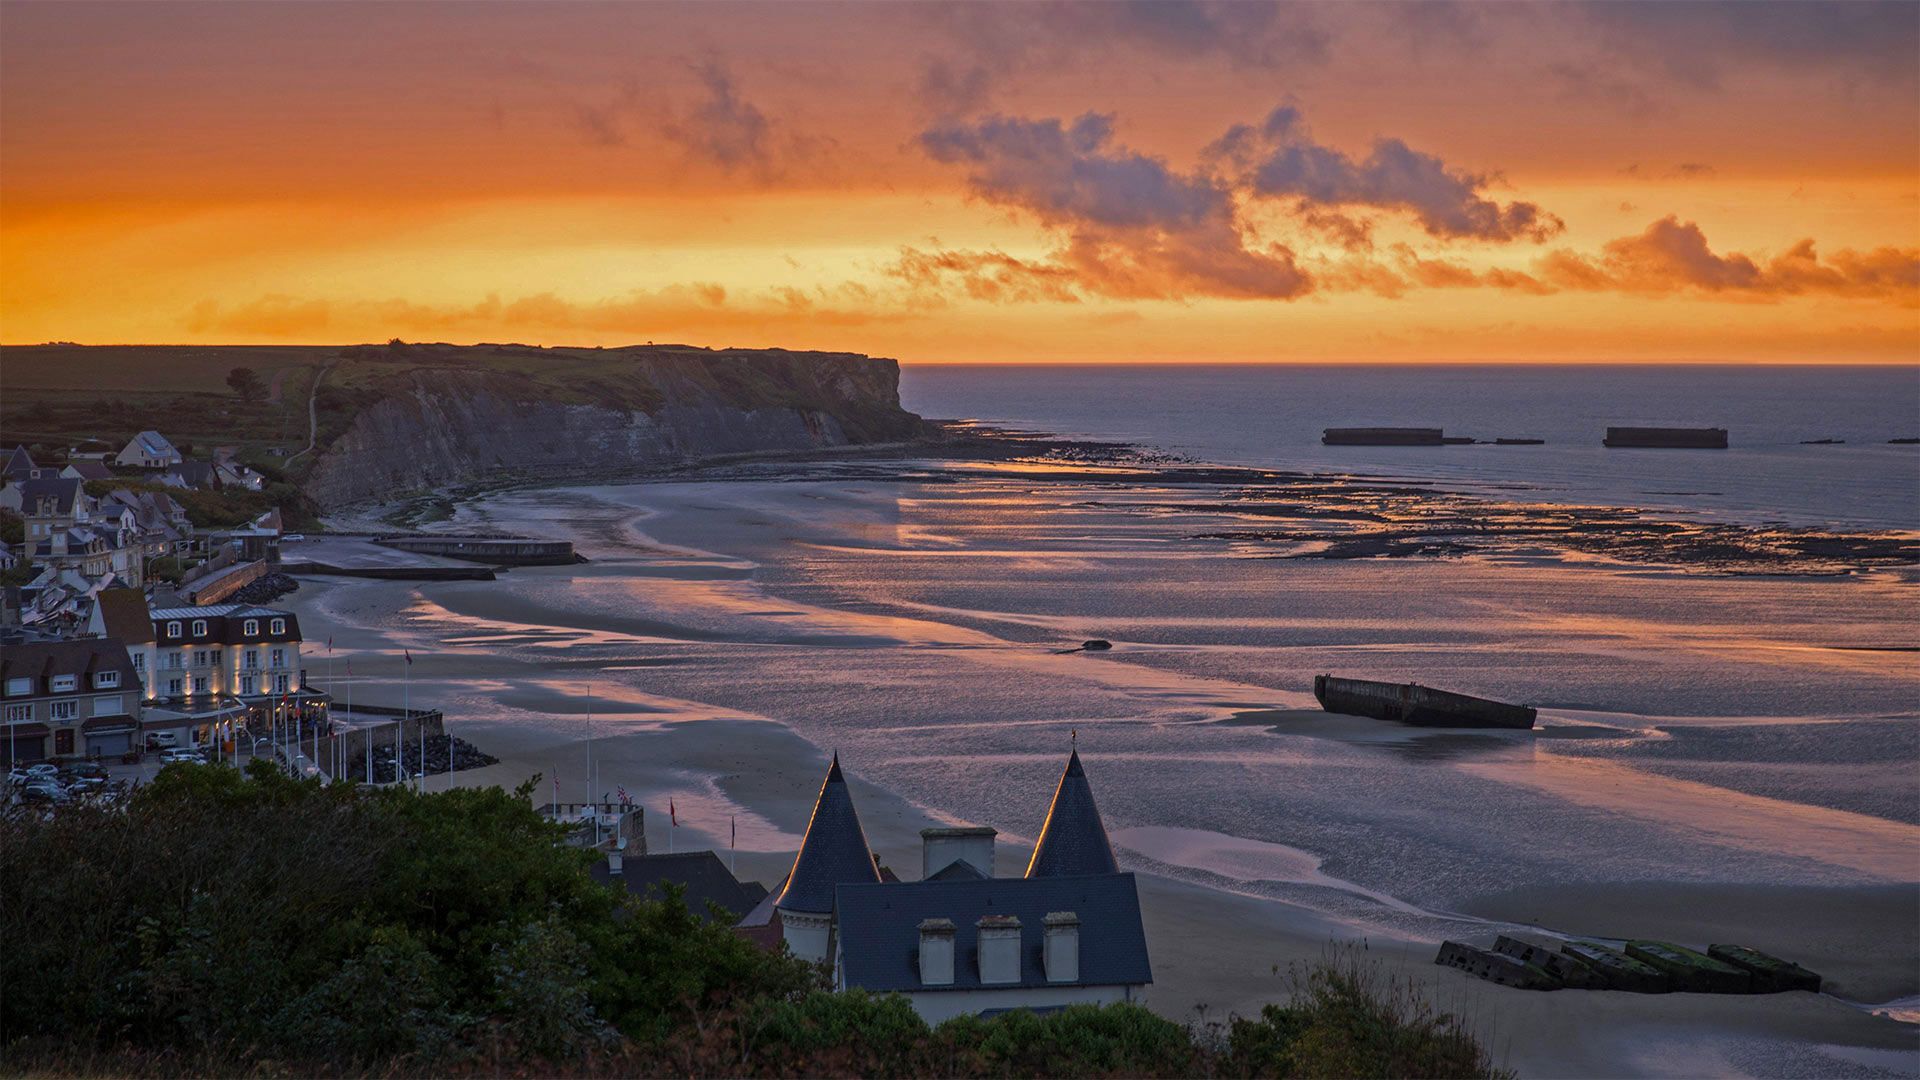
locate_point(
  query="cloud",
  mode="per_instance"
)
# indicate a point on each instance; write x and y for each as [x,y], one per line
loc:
[1128,224]
[1673,256]
[640,312]
[988,44]
[1279,159]
[723,128]
[1695,43]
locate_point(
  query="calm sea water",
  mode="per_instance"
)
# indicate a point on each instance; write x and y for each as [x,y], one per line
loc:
[1273,415]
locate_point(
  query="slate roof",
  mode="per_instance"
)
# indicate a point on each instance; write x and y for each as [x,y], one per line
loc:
[62,490]
[42,660]
[20,464]
[701,873]
[123,615]
[879,928]
[834,851]
[91,470]
[198,475]
[1073,841]
[226,624]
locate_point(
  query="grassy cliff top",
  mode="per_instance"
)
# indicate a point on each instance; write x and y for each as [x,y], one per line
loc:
[58,395]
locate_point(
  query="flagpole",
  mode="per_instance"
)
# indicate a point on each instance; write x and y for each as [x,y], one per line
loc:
[592,778]
[733,845]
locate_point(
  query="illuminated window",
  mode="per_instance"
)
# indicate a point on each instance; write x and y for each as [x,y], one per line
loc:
[279,626]
[251,628]
[199,628]
[173,629]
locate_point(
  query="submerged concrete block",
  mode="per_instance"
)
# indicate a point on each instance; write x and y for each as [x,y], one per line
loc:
[1494,967]
[1691,972]
[1571,973]
[1770,974]
[1616,971]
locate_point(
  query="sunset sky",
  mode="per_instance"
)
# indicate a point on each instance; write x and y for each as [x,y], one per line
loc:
[1179,181]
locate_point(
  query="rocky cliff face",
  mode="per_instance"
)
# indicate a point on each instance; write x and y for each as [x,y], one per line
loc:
[441,426]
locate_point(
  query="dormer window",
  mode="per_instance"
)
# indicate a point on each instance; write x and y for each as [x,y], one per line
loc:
[64,683]
[106,679]
[173,629]
[199,628]
[279,627]
[250,628]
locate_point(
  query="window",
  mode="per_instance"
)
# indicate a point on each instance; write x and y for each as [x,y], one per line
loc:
[279,658]
[107,705]
[246,684]
[64,710]
[279,627]
[64,683]
[199,684]
[216,658]
[106,679]
[173,629]
[175,660]
[16,687]
[140,662]
[253,659]
[199,628]
[19,714]
[250,628]
[204,658]
[279,684]
[173,687]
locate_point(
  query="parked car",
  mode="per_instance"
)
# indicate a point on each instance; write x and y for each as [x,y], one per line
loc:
[44,791]
[181,754]
[162,740]
[42,769]
[90,769]
[292,538]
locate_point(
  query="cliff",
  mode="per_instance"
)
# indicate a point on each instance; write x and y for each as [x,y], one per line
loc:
[460,415]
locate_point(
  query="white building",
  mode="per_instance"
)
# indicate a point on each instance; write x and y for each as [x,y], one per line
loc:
[149,450]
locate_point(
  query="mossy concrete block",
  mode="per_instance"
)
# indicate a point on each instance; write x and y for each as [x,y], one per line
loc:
[1495,967]
[1691,972]
[1617,971]
[1770,974]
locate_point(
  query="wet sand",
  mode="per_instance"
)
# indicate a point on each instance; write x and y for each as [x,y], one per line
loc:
[722,651]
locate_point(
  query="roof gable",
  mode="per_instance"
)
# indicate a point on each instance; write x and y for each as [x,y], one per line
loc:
[1073,841]
[700,874]
[834,850]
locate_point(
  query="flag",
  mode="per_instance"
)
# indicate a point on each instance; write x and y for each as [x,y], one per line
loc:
[673,816]
[556,789]
[622,792]
[408,655]
[329,642]
[733,831]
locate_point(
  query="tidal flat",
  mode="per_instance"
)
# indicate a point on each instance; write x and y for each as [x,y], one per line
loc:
[1728,748]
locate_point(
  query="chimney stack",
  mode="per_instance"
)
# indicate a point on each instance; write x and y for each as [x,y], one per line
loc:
[999,949]
[936,952]
[941,848]
[1061,953]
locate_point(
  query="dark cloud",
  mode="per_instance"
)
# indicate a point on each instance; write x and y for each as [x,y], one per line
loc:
[1696,42]
[1128,224]
[987,44]
[1279,159]
[723,128]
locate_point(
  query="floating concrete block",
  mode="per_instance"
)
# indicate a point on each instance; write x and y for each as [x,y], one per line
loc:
[1615,971]
[1770,974]
[1691,972]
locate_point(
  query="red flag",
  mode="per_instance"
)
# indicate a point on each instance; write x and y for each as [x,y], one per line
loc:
[672,815]
[329,642]
[408,655]
[621,791]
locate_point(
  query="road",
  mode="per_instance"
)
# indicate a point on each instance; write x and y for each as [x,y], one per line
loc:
[313,414]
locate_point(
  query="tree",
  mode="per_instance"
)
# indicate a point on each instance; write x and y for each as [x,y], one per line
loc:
[246,382]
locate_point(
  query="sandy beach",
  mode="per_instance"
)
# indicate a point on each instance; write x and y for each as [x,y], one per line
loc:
[1713,763]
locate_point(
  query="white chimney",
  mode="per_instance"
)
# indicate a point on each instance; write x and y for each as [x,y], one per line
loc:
[936,952]
[999,948]
[1061,953]
[941,848]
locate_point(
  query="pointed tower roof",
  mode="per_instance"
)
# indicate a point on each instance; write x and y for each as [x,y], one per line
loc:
[1073,841]
[834,851]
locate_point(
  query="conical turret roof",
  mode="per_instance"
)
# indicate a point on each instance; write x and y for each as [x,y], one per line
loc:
[834,851]
[1073,841]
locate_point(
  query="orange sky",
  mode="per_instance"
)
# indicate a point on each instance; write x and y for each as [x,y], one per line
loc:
[971,182]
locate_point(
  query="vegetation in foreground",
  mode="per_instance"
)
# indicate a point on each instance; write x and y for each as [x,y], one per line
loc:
[221,924]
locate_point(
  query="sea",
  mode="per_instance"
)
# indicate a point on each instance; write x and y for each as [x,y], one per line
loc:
[1272,416]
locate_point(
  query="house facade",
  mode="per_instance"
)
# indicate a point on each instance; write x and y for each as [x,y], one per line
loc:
[199,654]
[962,941]
[77,698]
[149,450]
